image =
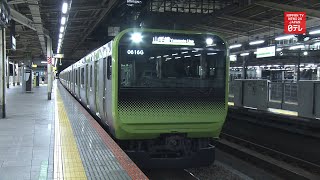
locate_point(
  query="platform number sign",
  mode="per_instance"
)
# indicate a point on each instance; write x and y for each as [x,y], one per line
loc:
[295,22]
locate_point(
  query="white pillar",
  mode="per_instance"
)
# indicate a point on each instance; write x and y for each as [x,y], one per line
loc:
[318,73]
[259,72]
[3,72]
[49,66]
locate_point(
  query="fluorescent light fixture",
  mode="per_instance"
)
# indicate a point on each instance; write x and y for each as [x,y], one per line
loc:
[151,57]
[194,51]
[255,52]
[64,8]
[279,49]
[63,20]
[317,44]
[315,31]
[158,56]
[284,37]
[60,36]
[209,41]
[211,54]
[296,47]
[235,46]
[185,52]
[197,55]
[175,54]
[187,56]
[177,57]
[244,54]
[256,42]
[61,29]
[168,59]
[44,62]
[305,53]
[136,37]
[165,55]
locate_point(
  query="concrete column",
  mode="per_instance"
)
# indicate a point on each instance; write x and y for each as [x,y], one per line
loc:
[49,67]
[3,72]
[14,74]
[318,73]
[18,75]
[8,72]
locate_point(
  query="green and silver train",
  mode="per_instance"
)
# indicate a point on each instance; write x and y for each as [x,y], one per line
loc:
[161,93]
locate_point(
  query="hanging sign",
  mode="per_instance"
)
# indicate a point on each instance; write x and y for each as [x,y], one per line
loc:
[266,52]
[295,22]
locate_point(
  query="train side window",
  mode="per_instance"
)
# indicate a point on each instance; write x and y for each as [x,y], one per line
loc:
[109,67]
[82,76]
[76,77]
[91,72]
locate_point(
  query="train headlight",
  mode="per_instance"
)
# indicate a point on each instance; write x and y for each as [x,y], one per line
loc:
[209,41]
[136,37]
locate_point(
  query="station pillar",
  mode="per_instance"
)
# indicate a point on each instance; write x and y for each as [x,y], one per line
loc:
[318,73]
[18,75]
[8,72]
[49,66]
[3,72]
[14,74]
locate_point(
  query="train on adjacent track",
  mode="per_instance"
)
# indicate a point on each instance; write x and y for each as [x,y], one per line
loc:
[161,93]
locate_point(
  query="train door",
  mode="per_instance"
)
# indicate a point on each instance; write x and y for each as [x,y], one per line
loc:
[101,88]
[108,92]
[86,85]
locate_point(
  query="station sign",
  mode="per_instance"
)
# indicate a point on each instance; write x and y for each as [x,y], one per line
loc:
[58,56]
[172,41]
[295,22]
[14,43]
[266,52]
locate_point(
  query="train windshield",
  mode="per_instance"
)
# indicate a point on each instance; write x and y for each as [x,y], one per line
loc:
[170,66]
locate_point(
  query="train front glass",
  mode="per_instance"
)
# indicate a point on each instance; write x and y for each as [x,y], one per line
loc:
[159,62]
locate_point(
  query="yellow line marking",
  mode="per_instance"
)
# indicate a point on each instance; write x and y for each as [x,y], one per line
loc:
[67,161]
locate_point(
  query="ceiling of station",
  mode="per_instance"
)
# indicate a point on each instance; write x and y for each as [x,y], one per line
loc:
[89,20]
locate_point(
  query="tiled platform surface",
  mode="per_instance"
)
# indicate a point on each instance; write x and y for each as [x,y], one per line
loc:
[26,135]
[57,139]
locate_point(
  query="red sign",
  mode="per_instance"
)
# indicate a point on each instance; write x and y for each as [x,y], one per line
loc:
[49,60]
[295,22]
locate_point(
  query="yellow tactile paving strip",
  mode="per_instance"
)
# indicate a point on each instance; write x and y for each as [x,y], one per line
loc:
[67,160]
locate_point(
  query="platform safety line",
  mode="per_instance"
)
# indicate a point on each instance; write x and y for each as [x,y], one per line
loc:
[67,160]
[127,164]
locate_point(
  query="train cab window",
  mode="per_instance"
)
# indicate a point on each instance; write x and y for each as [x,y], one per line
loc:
[82,76]
[91,76]
[109,67]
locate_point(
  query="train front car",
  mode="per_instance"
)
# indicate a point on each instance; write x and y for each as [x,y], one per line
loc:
[170,96]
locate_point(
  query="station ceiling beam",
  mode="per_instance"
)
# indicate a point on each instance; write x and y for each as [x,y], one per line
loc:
[110,4]
[284,7]
[248,21]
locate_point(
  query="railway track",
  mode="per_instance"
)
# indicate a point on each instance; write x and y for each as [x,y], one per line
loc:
[277,162]
[169,174]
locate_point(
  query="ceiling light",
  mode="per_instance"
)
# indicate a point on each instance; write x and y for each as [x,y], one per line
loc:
[211,54]
[44,62]
[197,55]
[256,42]
[187,56]
[284,37]
[61,29]
[63,20]
[315,31]
[244,54]
[185,52]
[60,36]
[296,47]
[64,8]
[235,46]
[209,41]
[279,49]
[136,37]
[175,54]
[305,53]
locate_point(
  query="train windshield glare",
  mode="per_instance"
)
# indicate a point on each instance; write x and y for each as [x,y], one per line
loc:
[170,67]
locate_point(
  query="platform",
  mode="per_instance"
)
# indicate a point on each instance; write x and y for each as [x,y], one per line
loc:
[57,139]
